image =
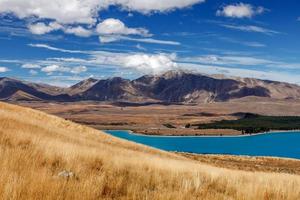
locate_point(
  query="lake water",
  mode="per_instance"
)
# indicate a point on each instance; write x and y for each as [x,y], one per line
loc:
[281,144]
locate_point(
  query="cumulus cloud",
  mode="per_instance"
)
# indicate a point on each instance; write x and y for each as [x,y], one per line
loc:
[3,69]
[146,6]
[31,66]
[108,39]
[78,31]
[240,10]
[79,17]
[109,30]
[113,26]
[143,62]
[78,70]
[112,30]
[41,28]
[62,11]
[150,63]
[237,65]
[55,68]
[85,11]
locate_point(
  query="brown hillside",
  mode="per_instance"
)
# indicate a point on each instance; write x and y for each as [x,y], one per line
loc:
[35,147]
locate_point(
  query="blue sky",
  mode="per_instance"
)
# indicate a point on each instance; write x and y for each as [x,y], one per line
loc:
[61,42]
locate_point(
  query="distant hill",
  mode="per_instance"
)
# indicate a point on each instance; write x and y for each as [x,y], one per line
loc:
[170,87]
[12,89]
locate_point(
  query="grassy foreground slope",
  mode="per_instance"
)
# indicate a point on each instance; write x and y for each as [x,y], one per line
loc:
[35,147]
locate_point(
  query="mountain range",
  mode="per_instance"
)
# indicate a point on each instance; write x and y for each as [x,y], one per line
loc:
[170,87]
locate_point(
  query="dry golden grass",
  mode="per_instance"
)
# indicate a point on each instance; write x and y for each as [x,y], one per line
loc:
[35,147]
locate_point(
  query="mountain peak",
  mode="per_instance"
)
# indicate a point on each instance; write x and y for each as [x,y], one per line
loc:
[8,79]
[173,74]
[82,86]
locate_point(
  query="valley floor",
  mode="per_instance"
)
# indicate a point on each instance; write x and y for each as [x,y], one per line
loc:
[157,119]
[36,147]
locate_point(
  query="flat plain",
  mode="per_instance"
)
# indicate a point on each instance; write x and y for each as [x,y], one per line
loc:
[154,119]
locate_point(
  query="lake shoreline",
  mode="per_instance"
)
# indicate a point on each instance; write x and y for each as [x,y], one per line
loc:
[271,164]
[263,146]
[210,135]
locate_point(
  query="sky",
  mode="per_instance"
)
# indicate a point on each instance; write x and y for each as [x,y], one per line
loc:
[62,42]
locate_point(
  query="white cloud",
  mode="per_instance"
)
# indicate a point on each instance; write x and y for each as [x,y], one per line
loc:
[149,63]
[142,62]
[3,69]
[113,58]
[50,69]
[113,26]
[31,66]
[55,68]
[108,39]
[109,30]
[45,46]
[151,40]
[62,11]
[85,11]
[41,28]
[112,30]
[78,31]
[78,70]
[114,38]
[250,28]
[79,17]
[147,6]
[140,47]
[240,10]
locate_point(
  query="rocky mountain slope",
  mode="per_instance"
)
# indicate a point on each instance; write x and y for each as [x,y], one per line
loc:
[172,86]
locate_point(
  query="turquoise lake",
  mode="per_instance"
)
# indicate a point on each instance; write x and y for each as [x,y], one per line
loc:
[281,144]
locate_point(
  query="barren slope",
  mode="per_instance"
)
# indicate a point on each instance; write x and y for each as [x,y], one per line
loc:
[170,87]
